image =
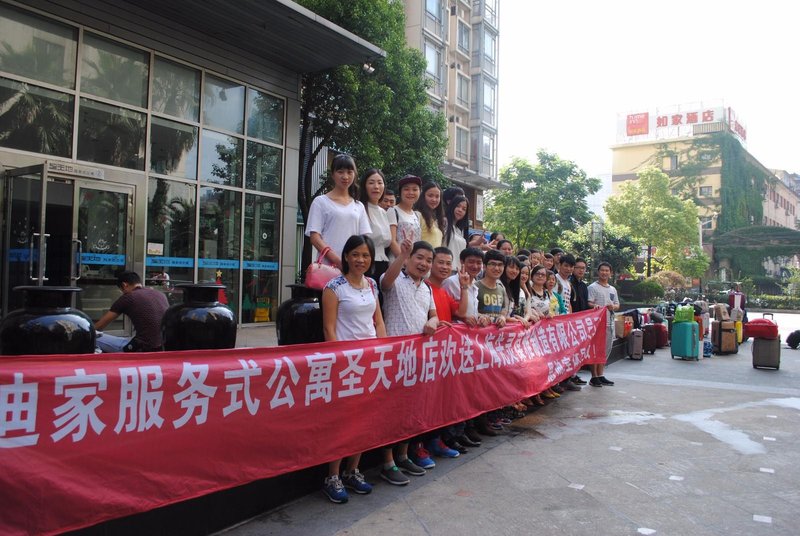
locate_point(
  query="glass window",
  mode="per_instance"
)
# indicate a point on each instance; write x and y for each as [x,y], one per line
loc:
[218,259]
[35,119]
[463,37]
[489,101]
[462,144]
[264,116]
[110,135]
[37,48]
[171,208]
[263,168]
[432,59]
[114,71]
[488,146]
[489,48]
[221,158]
[260,258]
[705,191]
[176,90]
[223,104]
[173,148]
[434,8]
[462,91]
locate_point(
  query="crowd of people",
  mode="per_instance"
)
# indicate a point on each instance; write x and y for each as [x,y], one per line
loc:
[409,265]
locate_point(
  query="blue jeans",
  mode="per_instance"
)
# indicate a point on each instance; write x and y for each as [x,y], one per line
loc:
[111,343]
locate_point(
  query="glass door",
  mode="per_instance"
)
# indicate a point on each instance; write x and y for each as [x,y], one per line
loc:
[60,231]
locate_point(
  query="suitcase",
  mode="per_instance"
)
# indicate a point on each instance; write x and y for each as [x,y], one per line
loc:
[767,353]
[761,328]
[723,337]
[708,348]
[793,340]
[650,339]
[662,335]
[685,341]
[636,316]
[739,331]
[635,341]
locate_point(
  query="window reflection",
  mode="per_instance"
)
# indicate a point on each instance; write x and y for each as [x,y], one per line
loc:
[37,48]
[114,71]
[222,159]
[35,119]
[264,116]
[176,90]
[111,135]
[223,104]
[263,168]
[171,210]
[260,259]
[173,148]
[220,217]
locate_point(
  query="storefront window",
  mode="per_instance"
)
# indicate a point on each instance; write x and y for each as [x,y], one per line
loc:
[35,119]
[218,259]
[170,233]
[37,48]
[111,135]
[263,168]
[260,258]
[176,90]
[222,159]
[114,71]
[173,148]
[264,116]
[223,104]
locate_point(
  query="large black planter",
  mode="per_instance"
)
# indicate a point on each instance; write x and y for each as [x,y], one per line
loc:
[299,319]
[47,324]
[201,322]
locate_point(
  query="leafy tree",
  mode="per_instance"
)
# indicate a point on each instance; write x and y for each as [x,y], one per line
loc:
[542,201]
[381,118]
[616,248]
[654,217]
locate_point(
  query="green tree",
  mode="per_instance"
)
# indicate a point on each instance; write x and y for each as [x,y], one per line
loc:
[381,118]
[616,248]
[654,217]
[541,202]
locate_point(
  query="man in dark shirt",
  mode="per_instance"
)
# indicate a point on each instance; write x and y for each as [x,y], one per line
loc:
[579,298]
[144,306]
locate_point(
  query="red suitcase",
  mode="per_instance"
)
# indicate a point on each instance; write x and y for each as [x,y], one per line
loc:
[662,335]
[761,328]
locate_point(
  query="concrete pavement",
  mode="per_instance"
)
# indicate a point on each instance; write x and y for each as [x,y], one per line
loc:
[676,447]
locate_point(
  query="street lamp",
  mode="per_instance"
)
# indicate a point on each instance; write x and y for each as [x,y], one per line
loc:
[597,239]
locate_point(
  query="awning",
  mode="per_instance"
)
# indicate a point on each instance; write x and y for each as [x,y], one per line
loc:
[468,177]
[280,31]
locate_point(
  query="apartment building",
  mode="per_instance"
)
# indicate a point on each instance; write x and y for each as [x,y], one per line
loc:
[460,40]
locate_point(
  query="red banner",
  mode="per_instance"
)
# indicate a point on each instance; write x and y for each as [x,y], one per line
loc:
[88,438]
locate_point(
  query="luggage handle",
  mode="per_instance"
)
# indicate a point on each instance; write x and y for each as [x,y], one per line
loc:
[772,316]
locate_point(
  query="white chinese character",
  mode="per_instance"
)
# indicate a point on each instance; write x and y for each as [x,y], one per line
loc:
[573,334]
[75,414]
[319,377]
[382,364]
[551,373]
[467,365]
[351,376]
[561,333]
[534,342]
[590,326]
[18,413]
[482,364]
[195,396]
[138,405]
[551,338]
[407,364]
[581,330]
[447,353]
[283,393]
[542,338]
[249,369]
[489,342]
[429,355]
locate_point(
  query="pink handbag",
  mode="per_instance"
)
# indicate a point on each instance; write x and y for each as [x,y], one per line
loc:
[318,274]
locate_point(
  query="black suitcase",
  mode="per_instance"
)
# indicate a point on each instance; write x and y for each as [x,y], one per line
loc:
[650,340]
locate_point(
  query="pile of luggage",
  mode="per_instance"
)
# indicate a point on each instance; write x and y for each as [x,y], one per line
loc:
[685,335]
[766,342]
[648,332]
[726,330]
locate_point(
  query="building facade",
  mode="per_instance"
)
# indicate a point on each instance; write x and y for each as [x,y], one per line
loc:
[460,42]
[160,137]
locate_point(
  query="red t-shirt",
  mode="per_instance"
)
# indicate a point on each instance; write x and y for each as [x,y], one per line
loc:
[446,306]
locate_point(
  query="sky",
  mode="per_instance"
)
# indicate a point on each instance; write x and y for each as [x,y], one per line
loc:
[568,68]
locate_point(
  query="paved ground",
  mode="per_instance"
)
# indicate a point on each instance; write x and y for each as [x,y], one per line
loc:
[676,447]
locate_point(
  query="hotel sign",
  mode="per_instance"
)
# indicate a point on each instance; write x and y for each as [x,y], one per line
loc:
[675,122]
[76,170]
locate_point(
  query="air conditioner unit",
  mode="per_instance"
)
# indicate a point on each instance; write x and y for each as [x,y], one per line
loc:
[458,120]
[451,118]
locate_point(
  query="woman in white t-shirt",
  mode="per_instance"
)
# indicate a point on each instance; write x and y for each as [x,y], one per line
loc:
[373,186]
[337,215]
[404,221]
[455,235]
[350,312]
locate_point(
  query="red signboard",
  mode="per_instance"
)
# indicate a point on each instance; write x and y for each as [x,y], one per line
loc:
[89,438]
[638,124]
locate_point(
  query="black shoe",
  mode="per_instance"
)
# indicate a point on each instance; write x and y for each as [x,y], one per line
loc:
[595,382]
[455,445]
[467,441]
[605,381]
[472,435]
[577,380]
